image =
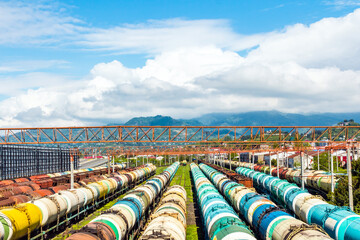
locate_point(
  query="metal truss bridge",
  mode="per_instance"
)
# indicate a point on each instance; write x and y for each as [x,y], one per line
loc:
[181,134]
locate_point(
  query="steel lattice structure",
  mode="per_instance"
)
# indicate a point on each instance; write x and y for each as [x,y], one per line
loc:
[199,149]
[180,134]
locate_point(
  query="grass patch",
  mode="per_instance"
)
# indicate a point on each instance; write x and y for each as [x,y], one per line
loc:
[160,170]
[191,232]
[183,178]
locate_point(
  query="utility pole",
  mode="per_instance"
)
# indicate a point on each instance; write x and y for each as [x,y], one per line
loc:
[108,164]
[318,159]
[337,161]
[222,160]
[332,172]
[351,197]
[270,163]
[127,157]
[329,159]
[230,160]
[72,171]
[287,159]
[277,165]
[252,160]
[302,171]
[113,164]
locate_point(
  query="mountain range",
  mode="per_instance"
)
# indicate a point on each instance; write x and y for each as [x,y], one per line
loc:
[257,118]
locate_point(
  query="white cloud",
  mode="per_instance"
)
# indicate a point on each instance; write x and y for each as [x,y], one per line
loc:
[328,42]
[48,24]
[343,3]
[33,65]
[157,36]
[24,22]
[196,70]
[20,83]
[115,92]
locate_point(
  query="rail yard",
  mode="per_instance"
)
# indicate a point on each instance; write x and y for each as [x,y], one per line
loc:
[198,196]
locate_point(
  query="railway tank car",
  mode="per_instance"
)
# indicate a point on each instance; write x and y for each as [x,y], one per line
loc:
[127,212]
[20,220]
[262,214]
[169,218]
[339,222]
[319,180]
[220,220]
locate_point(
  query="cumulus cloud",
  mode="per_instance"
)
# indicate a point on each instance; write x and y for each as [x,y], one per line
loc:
[196,70]
[328,42]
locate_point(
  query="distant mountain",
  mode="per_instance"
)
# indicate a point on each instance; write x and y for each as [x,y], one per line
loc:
[114,124]
[275,118]
[257,118]
[161,121]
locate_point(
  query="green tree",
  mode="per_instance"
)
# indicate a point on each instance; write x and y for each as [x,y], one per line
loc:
[228,139]
[233,155]
[324,163]
[274,162]
[341,194]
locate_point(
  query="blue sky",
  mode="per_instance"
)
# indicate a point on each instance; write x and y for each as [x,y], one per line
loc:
[245,17]
[92,52]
